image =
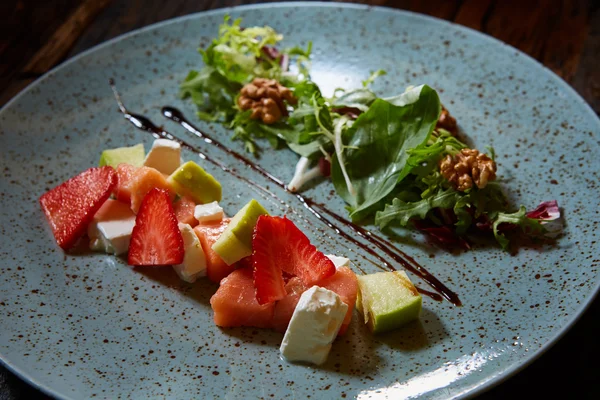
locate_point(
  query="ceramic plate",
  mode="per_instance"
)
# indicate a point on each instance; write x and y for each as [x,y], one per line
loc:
[86,325]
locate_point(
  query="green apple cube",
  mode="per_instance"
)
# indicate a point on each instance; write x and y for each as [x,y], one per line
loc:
[193,181]
[235,242]
[133,155]
[387,300]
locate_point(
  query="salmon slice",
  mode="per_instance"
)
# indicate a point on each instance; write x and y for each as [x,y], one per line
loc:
[142,181]
[184,211]
[285,307]
[208,233]
[235,304]
[124,174]
[343,282]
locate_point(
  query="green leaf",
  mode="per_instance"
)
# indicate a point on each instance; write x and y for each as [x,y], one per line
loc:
[403,212]
[213,94]
[373,76]
[463,217]
[236,52]
[358,98]
[519,218]
[377,147]
[312,149]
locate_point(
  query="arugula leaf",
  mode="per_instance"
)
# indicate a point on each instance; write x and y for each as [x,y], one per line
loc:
[377,147]
[519,218]
[403,211]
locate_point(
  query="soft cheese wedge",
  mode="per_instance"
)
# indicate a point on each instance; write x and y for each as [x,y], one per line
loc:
[314,326]
[165,156]
[194,259]
[111,227]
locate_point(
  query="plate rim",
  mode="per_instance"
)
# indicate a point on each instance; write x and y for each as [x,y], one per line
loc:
[482,386]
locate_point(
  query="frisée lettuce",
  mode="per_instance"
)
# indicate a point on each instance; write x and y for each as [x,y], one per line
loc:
[384,153]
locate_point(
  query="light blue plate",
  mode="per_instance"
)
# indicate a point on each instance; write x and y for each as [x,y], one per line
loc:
[86,325]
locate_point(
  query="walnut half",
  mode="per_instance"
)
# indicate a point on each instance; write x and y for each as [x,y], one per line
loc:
[467,167]
[447,122]
[266,98]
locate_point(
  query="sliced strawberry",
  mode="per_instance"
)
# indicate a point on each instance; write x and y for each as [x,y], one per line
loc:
[279,246]
[156,239]
[71,206]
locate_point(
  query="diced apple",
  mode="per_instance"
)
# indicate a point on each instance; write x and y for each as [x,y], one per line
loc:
[236,241]
[387,300]
[193,181]
[133,155]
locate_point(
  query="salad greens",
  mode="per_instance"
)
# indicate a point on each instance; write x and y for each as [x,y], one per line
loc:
[383,152]
[378,143]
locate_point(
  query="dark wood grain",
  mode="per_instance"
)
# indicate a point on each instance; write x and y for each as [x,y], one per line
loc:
[558,33]
[36,35]
[586,80]
[52,50]
[474,13]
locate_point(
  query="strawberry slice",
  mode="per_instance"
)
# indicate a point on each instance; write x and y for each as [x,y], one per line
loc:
[156,239]
[71,206]
[279,246]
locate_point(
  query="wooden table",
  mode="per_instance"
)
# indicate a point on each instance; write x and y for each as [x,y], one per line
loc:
[563,35]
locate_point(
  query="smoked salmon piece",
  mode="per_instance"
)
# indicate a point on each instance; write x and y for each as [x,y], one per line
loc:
[208,233]
[235,304]
[124,174]
[142,181]
[343,282]
[184,211]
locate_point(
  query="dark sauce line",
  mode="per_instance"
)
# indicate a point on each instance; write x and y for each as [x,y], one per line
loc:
[398,255]
[176,116]
[145,124]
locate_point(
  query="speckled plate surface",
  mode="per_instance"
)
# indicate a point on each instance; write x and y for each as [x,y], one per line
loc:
[86,325]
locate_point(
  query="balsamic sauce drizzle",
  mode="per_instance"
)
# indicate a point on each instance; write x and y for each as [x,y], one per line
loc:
[409,263]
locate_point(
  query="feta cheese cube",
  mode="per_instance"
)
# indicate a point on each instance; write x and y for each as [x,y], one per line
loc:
[208,212]
[194,259]
[111,227]
[314,326]
[165,156]
[339,261]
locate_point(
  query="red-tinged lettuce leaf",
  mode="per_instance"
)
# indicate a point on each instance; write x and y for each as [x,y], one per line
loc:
[546,211]
[529,226]
[443,234]
[549,215]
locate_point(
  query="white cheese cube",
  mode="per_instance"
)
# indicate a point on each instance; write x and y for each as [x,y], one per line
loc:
[314,326]
[208,212]
[111,227]
[339,261]
[194,259]
[165,156]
